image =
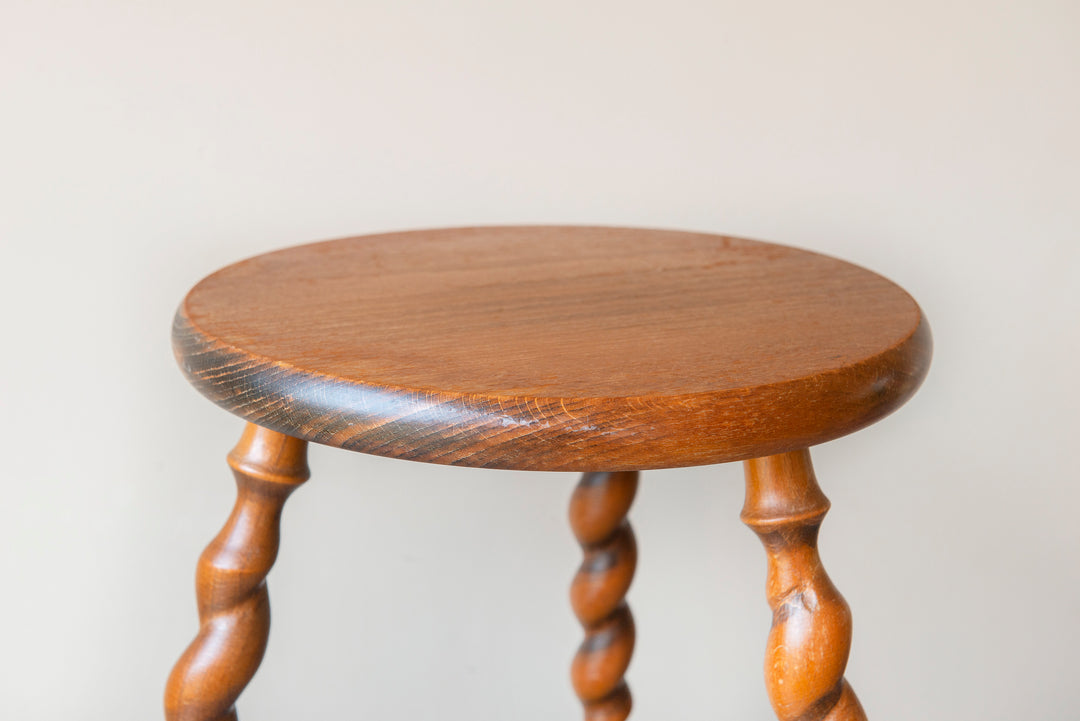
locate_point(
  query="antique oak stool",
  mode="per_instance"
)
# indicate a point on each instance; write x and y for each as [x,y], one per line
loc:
[605,351]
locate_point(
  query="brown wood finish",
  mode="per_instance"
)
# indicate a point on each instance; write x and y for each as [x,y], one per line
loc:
[808,645]
[598,511]
[553,348]
[550,348]
[234,607]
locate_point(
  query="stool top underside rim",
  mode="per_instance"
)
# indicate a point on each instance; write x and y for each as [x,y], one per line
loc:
[553,348]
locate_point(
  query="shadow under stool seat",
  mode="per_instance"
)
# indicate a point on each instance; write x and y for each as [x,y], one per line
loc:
[605,351]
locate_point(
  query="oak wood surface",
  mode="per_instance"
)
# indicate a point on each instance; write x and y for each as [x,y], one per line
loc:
[810,638]
[553,348]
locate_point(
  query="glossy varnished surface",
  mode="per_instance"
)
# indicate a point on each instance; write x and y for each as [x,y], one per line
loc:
[553,348]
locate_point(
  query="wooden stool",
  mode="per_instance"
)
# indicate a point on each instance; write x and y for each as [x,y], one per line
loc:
[599,350]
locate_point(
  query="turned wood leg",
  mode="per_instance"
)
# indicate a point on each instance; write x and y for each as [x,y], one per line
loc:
[598,511]
[234,608]
[811,631]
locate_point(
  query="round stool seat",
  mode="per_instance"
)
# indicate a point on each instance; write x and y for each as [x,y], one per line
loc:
[553,348]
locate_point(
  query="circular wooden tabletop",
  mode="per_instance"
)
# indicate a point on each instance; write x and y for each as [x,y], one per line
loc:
[553,348]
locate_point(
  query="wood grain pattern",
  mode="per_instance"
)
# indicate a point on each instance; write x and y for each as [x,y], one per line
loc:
[598,511]
[808,645]
[234,607]
[553,348]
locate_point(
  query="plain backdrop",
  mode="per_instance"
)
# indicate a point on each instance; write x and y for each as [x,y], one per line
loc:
[144,144]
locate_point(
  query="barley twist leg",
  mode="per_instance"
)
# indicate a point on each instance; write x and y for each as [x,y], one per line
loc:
[810,638]
[598,511]
[234,608]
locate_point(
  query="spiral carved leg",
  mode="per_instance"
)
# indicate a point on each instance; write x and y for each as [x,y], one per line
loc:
[811,631]
[598,511]
[234,608]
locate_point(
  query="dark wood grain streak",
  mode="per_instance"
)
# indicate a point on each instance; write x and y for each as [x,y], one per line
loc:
[553,348]
[234,606]
[810,639]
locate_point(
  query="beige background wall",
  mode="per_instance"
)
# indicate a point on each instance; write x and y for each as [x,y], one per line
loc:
[144,144]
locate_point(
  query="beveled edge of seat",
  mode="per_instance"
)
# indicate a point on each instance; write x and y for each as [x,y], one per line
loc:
[548,434]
